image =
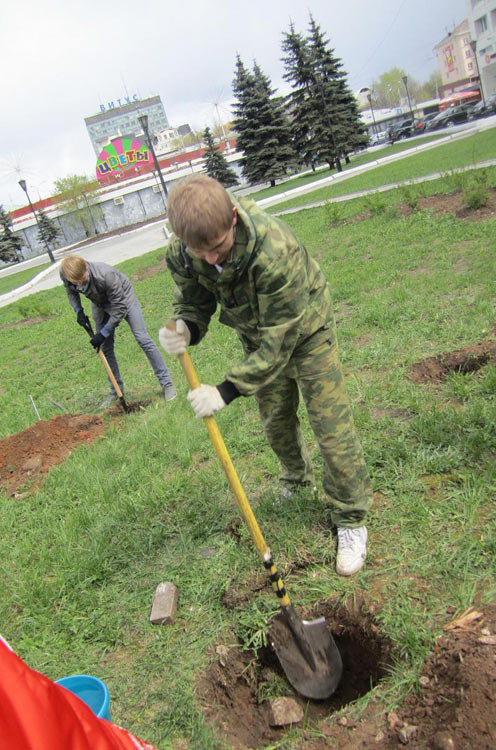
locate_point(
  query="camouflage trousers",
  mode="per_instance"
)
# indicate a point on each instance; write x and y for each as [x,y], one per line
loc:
[317,374]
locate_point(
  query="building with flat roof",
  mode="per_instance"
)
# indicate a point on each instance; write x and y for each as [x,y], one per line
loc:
[119,119]
[482,23]
[456,60]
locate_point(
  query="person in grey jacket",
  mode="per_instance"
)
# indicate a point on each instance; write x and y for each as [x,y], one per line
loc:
[113,299]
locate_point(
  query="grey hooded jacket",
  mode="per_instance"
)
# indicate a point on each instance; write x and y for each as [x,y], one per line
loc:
[107,288]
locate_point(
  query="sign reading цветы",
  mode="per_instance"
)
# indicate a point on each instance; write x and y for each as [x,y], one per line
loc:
[120,155]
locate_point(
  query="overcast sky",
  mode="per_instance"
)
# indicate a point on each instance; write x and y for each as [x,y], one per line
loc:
[61,59]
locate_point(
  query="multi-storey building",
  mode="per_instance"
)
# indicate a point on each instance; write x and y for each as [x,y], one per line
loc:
[119,118]
[456,60]
[482,24]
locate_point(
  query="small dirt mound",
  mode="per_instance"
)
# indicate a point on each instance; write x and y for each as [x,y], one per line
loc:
[469,359]
[117,409]
[237,689]
[28,455]
[455,707]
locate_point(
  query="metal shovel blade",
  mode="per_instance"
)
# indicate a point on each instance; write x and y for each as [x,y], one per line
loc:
[320,679]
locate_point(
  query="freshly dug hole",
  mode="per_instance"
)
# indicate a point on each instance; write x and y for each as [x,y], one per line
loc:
[236,690]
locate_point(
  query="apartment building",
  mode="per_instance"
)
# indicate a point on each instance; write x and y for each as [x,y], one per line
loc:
[456,61]
[482,24]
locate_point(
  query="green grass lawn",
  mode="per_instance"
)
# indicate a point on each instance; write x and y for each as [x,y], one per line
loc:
[82,555]
[465,152]
[14,280]
[356,160]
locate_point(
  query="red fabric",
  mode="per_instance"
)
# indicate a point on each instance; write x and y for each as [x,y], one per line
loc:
[38,714]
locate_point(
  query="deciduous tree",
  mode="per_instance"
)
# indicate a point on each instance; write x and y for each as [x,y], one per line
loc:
[76,192]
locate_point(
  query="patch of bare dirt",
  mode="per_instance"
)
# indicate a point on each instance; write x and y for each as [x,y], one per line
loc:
[453,204]
[27,456]
[469,359]
[453,709]
[145,273]
[27,322]
[450,203]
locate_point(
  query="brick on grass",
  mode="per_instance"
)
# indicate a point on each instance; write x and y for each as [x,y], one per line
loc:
[164,604]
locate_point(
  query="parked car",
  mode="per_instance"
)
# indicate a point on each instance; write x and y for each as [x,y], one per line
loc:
[424,121]
[403,129]
[449,117]
[483,108]
[379,138]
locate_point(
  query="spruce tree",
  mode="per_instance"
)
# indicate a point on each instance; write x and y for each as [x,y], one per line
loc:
[216,164]
[304,115]
[48,231]
[340,105]
[325,115]
[263,129]
[10,243]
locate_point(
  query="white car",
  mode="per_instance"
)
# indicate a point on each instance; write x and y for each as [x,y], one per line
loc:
[379,139]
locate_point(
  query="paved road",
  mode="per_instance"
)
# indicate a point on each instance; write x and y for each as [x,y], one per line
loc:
[110,250]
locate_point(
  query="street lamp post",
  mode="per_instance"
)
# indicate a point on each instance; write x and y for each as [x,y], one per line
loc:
[143,121]
[405,81]
[23,185]
[473,44]
[369,97]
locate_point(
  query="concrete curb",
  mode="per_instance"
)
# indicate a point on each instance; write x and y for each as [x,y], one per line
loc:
[39,276]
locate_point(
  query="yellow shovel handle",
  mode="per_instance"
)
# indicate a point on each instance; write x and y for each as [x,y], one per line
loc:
[235,484]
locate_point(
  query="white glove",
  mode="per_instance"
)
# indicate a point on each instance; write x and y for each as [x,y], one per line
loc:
[206,400]
[175,342]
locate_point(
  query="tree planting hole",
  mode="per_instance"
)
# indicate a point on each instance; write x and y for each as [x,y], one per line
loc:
[237,690]
[470,359]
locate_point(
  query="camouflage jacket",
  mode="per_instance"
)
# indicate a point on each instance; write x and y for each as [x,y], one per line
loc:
[271,292]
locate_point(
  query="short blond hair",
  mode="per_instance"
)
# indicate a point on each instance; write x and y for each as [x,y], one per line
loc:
[73,268]
[199,210]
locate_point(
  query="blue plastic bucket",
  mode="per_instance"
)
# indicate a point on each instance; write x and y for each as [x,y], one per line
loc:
[91,690]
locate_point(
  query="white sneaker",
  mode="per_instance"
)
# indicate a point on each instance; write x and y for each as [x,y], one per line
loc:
[352,550]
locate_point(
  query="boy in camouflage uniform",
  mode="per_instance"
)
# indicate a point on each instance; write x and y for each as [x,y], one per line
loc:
[230,253]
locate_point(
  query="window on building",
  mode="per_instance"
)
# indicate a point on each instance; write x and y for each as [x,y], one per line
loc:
[481,25]
[468,53]
[470,66]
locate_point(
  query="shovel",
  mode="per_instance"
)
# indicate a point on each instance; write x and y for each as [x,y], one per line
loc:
[88,328]
[306,649]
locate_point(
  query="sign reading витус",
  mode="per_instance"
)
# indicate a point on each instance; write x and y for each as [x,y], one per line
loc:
[120,103]
[120,156]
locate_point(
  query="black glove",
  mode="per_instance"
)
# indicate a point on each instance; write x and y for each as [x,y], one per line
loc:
[82,319]
[97,340]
